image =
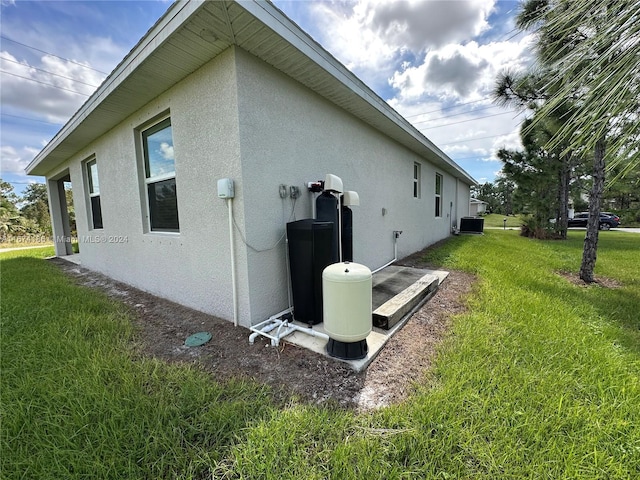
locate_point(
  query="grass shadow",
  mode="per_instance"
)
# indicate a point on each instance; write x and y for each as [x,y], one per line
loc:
[441,254]
[619,306]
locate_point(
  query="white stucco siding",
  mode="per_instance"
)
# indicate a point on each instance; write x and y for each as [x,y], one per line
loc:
[464,194]
[238,117]
[290,135]
[193,266]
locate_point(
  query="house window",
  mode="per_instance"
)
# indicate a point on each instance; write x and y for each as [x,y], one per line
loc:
[94,194]
[416,180]
[438,195]
[160,177]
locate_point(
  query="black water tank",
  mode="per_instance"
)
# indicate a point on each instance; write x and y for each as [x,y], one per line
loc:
[347,234]
[310,251]
[327,211]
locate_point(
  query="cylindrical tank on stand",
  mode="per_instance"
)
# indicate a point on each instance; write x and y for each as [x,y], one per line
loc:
[327,211]
[347,289]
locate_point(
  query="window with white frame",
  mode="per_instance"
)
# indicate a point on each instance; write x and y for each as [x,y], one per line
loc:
[93,184]
[438,195]
[160,177]
[416,180]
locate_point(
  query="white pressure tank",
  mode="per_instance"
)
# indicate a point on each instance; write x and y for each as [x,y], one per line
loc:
[346,302]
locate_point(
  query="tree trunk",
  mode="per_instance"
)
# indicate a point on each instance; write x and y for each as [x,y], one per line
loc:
[591,239]
[564,181]
[566,168]
[557,226]
[566,186]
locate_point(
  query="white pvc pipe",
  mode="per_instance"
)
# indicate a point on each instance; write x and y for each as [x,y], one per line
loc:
[233,264]
[383,266]
[339,228]
[310,331]
[267,325]
[395,254]
[265,329]
[282,327]
[288,272]
[289,328]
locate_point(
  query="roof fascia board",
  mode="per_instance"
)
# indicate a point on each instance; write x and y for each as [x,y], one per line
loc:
[174,17]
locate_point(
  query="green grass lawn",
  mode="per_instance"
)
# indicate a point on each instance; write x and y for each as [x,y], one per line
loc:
[23,244]
[539,379]
[495,220]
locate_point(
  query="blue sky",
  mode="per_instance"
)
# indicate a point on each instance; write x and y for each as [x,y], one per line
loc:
[433,61]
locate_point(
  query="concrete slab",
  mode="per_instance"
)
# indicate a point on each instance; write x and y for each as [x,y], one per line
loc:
[390,281]
[375,341]
[402,289]
[74,258]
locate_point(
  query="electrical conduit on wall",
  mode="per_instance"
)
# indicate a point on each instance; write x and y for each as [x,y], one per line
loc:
[396,234]
[226,191]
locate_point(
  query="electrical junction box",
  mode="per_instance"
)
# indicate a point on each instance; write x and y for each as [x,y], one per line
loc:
[225,188]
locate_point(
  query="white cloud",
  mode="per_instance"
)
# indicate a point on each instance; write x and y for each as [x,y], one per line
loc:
[478,139]
[371,37]
[420,25]
[456,73]
[14,161]
[481,142]
[47,89]
[460,74]
[510,141]
[346,35]
[464,72]
[166,150]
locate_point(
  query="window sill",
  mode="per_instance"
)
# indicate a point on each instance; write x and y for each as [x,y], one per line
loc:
[160,233]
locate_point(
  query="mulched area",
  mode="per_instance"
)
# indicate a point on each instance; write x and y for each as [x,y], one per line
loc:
[163,326]
[599,281]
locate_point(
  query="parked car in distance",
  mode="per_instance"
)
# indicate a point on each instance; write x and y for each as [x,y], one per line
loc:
[607,220]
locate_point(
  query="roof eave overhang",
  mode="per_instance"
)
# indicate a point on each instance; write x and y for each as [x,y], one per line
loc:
[57,151]
[231,23]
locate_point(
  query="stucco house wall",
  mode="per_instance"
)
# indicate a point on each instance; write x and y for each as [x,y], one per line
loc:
[236,116]
[290,135]
[191,267]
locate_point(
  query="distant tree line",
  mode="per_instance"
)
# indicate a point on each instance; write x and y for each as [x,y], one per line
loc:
[505,196]
[583,96]
[27,214]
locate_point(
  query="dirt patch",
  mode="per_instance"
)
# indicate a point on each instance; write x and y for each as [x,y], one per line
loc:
[163,327]
[599,281]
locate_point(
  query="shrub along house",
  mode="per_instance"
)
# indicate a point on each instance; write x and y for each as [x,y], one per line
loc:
[236,90]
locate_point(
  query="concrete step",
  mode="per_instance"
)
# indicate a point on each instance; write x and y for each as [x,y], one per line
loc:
[389,310]
[393,299]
